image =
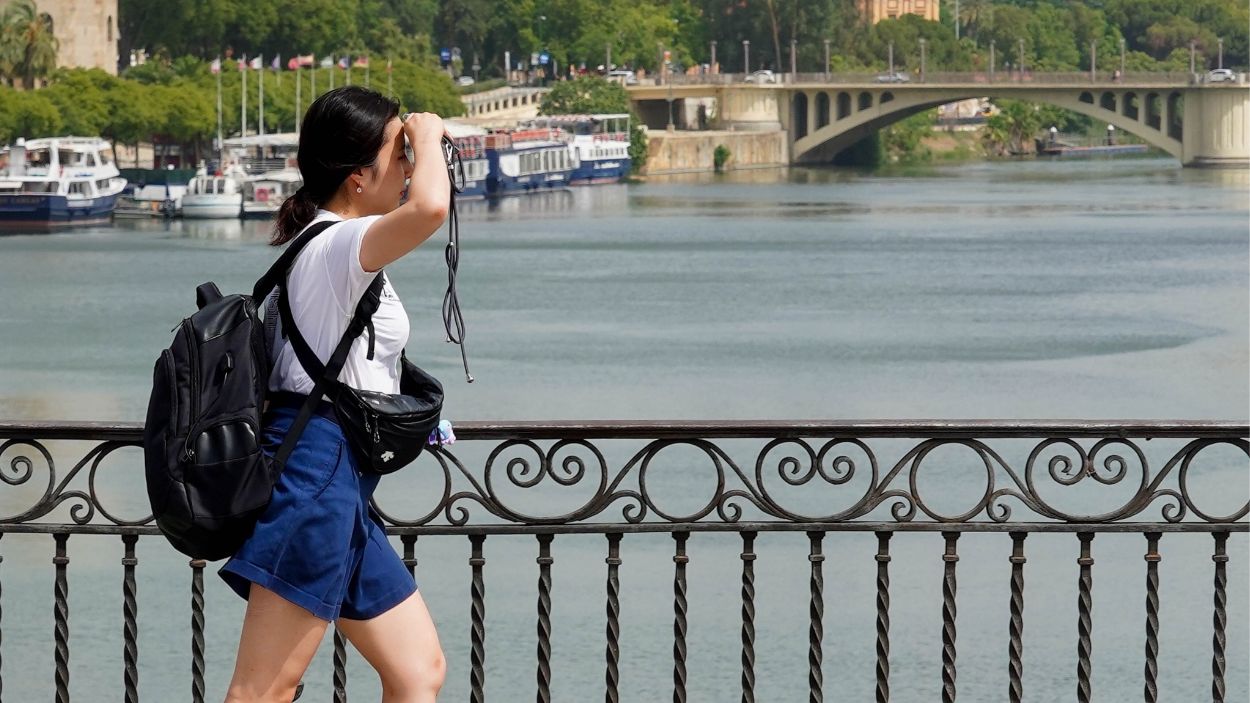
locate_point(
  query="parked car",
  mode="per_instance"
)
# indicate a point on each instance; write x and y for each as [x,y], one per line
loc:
[1221,75]
[465,80]
[623,76]
[762,76]
[896,77]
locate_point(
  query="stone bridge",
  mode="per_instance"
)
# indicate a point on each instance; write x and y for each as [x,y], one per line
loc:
[1201,124]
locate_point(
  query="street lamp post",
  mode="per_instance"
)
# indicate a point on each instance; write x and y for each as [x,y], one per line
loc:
[992,61]
[746,56]
[1193,56]
[891,60]
[712,66]
[670,106]
[1020,63]
[956,20]
[826,59]
[1093,61]
[1221,59]
[1121,58]
[794,59]
[607,57]
[922,57]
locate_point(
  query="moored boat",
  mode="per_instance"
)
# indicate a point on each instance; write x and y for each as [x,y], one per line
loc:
[527,160]
[58,182]
[214,195]
[599,143]
[471,141]
[263,195]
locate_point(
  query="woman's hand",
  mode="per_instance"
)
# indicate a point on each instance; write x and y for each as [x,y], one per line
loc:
[423,128]
[428,196]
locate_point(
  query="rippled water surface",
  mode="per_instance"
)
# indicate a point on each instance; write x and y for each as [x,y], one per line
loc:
[1100,290]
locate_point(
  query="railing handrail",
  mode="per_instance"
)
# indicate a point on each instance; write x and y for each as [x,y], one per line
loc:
[721,429]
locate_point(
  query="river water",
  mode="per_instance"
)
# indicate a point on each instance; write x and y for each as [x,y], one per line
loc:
[1095,290]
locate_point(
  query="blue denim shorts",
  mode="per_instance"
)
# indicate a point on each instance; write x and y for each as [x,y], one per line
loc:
[317,545]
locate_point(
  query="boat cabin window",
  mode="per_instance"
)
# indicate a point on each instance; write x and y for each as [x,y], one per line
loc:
[106,156]
[39,187]
[79,188]
[102,184]
[38,158]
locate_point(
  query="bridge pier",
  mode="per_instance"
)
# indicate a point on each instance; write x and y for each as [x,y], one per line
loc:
[1216,128]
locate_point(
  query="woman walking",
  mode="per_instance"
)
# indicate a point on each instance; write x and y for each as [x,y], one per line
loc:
[316,555]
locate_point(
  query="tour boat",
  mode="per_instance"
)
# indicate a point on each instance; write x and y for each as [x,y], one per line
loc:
[471,141]
[527,160]
[600,145]
[48,184]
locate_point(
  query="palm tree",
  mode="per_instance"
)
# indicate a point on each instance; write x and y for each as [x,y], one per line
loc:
[27,45]
[973,14]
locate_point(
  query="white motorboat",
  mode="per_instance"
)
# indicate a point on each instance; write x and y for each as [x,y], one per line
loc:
[214,195]
[58,182]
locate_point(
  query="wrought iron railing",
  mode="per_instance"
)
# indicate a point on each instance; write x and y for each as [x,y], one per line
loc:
[1030,471]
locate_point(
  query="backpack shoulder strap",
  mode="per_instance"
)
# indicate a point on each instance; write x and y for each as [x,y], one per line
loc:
[324,376]
[278,271]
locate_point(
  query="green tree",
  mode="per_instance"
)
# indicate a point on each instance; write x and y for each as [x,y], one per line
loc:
[903,140]
[591,94]
[79,97]
[32,115]
[1013,128]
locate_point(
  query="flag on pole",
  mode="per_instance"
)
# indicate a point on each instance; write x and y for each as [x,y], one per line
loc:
[256,64]
[361,62]
[293,64]
[388,65]
[242,63]
[276,64]
[215,66]
[343,63]
[327,62]
[307,61]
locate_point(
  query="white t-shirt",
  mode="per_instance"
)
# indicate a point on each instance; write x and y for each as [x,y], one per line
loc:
[326,283]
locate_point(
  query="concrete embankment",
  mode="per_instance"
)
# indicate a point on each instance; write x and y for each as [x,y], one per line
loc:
[686,152]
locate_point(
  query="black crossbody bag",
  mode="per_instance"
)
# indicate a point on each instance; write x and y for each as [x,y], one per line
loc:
[385,431]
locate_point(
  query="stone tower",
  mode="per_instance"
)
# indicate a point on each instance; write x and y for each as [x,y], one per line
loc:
[876,10]
[86,30]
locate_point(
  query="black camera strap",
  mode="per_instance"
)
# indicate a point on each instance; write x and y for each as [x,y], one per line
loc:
[453,319]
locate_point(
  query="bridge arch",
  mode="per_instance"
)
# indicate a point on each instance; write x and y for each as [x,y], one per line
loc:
[820,145]
[822,109]
[799,113]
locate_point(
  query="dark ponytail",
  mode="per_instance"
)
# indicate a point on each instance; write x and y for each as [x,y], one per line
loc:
[342,131]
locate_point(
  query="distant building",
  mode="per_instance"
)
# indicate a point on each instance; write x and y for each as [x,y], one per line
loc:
[86,31]
[876,10]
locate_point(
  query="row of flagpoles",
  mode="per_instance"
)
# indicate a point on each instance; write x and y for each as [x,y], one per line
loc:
[296,63]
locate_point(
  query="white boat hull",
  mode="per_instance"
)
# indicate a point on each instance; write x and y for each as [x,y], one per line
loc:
[212,207]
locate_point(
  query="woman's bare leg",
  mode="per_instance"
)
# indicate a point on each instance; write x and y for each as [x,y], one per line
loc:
[278,641]
[402,646]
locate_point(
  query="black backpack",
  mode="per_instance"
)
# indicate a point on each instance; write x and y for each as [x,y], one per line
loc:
[208,480]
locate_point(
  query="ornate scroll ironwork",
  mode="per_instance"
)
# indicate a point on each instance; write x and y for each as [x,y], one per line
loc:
[864,481]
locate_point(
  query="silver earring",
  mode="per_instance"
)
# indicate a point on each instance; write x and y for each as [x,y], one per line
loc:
[357,189]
